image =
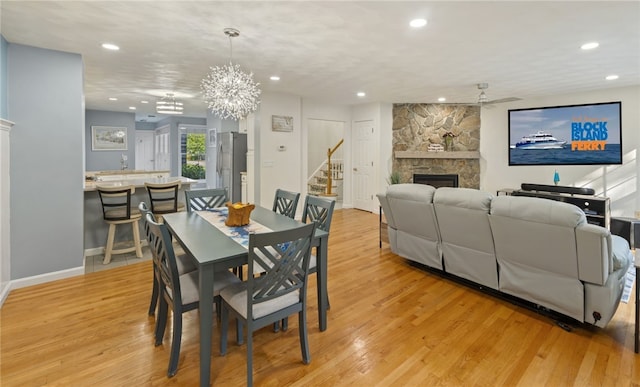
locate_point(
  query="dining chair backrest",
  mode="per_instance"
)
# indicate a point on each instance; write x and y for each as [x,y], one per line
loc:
[202,199]
[286,203]
[163,197]
[116,202]
[144,210]
[165,258]
[283,256]
[318,210]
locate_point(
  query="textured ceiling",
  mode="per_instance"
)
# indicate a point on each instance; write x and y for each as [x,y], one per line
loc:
[329,50]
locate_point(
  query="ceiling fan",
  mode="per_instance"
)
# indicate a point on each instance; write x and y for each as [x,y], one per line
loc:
[484,100]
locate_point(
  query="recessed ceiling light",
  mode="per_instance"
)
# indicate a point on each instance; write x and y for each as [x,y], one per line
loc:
[132,108]
[361,94]
[590,45]
[110,46]
[144,101]
[417,23]
[113,99]
[611,77]
[442,99]
[275,78]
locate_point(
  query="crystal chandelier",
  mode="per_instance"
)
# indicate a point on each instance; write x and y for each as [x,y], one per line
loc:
[228,91]
[169,105]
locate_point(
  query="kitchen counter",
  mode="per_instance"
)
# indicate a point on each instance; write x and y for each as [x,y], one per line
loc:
[135,181]
[95,228]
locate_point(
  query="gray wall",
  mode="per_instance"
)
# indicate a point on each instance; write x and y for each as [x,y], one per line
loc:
[109,160]
[3,77]
[46,103]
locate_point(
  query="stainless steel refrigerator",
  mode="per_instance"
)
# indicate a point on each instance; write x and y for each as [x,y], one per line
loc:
[231,160]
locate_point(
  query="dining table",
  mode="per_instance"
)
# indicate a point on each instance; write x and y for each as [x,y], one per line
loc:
[213,250]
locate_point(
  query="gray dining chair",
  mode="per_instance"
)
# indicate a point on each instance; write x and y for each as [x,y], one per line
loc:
[178,292]
[319,211]
[286,202]
[183,261]
[202,199]
[280,292]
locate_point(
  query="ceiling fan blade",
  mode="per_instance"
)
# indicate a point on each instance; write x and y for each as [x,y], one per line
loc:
[503,100]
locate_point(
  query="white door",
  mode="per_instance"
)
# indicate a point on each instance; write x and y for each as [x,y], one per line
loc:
[144,150]
[163,150]
[362,151]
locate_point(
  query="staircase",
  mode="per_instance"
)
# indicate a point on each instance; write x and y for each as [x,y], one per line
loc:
[317,183]
[326,180]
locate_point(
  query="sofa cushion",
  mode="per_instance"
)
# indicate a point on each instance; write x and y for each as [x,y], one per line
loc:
[468,198]
[415,192]
[410,207]
[538,210]
[467,243]
[621,253]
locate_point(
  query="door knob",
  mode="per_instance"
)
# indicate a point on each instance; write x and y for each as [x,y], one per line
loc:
[355,169]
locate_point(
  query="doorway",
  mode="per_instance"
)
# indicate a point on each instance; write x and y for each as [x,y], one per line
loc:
[325,135]
[193,151]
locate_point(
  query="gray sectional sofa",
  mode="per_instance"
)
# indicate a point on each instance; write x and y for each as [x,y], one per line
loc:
[538,250]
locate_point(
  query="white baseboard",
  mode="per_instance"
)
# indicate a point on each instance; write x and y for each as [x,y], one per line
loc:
[4,292]
[47,277]
[94,251]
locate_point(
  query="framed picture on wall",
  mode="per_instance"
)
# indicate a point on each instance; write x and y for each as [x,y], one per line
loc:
[108,138]
[282,123]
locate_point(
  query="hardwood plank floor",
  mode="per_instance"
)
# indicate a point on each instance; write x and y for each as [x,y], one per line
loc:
[390,324]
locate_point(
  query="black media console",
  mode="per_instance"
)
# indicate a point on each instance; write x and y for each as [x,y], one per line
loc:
[596,208]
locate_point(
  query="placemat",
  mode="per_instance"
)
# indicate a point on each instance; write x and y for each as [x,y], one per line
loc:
[217,216]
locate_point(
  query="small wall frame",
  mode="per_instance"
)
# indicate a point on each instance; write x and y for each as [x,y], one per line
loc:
[108,138]
[282,123]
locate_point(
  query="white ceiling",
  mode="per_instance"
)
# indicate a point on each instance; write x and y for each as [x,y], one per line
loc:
[329,50]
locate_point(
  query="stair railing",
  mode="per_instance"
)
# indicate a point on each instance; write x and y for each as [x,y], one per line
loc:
[331,151]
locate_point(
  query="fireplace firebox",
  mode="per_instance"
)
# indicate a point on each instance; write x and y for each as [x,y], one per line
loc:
[443,180]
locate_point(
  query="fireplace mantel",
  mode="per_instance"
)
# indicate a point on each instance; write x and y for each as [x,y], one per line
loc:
[437,155]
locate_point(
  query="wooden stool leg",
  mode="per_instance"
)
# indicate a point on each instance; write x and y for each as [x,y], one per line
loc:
[109,247]
[136,239]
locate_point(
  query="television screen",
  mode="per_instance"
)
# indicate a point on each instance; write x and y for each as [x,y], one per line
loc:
[566,135]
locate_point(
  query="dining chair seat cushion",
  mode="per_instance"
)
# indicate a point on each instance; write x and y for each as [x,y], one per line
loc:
[236,296]
[121,213]
[189,284]
[164,207]
[185,264]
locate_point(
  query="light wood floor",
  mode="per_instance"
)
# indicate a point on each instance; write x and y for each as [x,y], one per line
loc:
[390,324]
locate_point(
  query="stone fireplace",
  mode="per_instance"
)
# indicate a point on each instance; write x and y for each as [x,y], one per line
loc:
[416,126]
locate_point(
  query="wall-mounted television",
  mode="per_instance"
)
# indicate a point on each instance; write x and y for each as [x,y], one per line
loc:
[566,135]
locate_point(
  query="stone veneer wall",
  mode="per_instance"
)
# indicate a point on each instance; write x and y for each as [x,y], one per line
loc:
[416,126]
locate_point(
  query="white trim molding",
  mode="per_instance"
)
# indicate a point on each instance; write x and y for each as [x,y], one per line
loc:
[5,124]
[5,251]
[47,277]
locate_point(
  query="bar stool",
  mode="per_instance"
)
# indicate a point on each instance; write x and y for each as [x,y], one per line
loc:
[163,198]
[116,209]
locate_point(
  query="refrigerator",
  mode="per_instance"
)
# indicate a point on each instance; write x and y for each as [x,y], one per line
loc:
[231,160]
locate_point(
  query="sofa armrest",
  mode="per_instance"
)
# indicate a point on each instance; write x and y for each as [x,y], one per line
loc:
[600,253]
[594,253]
[384,203]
